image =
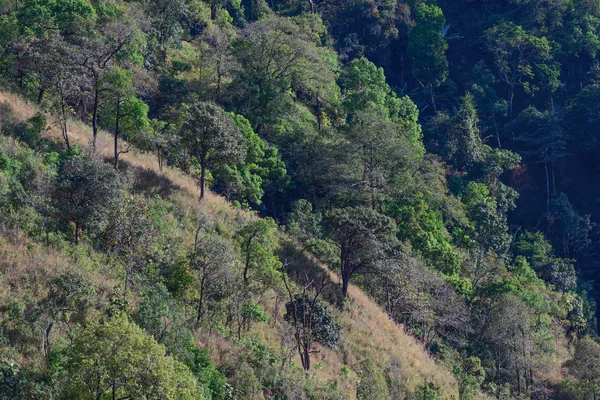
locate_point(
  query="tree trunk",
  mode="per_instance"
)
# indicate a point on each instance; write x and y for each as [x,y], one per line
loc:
[202,178]
[41,95]
[116,141]
[47,339]
[201,301]
[547,186]
[95,117]
[510,101]
[518,370]
[76,233]
[305,358]
[553,179]
[319,113]
[432,98]
[219,74]
[65,132]
[345,283]
[497,132]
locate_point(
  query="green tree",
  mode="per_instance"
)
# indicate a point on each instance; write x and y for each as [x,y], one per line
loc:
[123,113]
[160,315]
[85,193]
[427,47]
[262,172]
[210,139]
[258,241]
[212,263]
[381,153]
[66,303]
[312,323]
[280,57]
[517,54]
[303,223]
[118,359]
[543,141]
[116,40]
[364,239]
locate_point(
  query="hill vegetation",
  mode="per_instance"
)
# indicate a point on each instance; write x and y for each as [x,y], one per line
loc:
[298,200]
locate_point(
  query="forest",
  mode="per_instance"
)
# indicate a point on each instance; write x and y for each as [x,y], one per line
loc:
[299,199]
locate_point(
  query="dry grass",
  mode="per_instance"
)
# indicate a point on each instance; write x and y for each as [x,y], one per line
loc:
[367,330]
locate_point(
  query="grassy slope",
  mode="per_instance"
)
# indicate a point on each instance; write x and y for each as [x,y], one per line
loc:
[367,330]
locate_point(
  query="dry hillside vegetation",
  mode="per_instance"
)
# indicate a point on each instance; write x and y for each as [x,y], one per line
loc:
[367,331]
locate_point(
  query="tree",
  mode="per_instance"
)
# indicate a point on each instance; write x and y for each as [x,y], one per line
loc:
[86,192]
[118,359]
[210,138]
[585,365]
[117,40]
[262,172]
[218,38]
[364,238]
[66,302]
[123,113]
[311,321]
[303,223]
[257,241]
[212,263]
[427,47]
[382,153]
[161,316]
[544,142]
[421,299]
[517,53]
[59,81]
[461,144]
[280,57]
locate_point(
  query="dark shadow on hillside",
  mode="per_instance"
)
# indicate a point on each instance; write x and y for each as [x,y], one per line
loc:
[302,269]
[146,181]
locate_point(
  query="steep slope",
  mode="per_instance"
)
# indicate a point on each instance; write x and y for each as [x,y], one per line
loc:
[367,330]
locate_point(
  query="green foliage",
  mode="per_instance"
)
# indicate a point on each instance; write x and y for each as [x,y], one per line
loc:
[262,170]
[427,391]
[584,365]
[257,242]
[318,323]
[325,103]
[303,223]
[427,45]
[118,357]
[424,229]
[364,237]
[210,139]
[85,193]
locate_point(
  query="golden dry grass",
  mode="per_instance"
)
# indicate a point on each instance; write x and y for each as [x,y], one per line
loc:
[367,329]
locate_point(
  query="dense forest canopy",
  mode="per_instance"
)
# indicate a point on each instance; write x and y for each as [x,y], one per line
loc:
[440,155]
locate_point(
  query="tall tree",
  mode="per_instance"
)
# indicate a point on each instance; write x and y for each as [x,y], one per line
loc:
[123,112]
[517,54]
[117,40]
[85,193]
[427,47]
[364,238]
[210,138]
[118,360]
[544,142]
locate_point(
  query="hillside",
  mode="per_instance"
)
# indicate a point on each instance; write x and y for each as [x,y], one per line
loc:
[367,331]
[299,200]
